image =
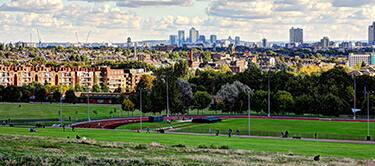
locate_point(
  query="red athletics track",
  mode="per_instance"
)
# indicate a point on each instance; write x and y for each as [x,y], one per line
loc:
[113,123]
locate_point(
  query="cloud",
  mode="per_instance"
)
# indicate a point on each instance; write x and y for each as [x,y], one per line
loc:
[351,3]
[142,3]
[36,6]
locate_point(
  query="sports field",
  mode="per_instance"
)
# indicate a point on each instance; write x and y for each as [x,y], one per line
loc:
[76,112]
[296,147]
[273,127]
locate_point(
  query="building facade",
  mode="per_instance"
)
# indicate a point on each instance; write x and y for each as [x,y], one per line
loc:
[193,36]
[358,59]
[296,35]
[66,76]
[371,34]
[181,38]
[173,39]
[324,43]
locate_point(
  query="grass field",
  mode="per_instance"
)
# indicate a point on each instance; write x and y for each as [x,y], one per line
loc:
[31,150]
[47,111]
[272,127]
[296,147]
[304,128]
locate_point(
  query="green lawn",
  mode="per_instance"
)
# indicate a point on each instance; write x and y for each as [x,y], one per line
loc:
[30,150]
[324,129]
[27,111]
[30,111]
[297,147]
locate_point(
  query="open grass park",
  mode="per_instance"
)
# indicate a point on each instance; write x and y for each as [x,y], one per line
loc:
[184,143]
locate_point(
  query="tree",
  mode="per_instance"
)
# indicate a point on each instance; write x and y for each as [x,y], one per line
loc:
[40,93]
[201,99]
[105,88]
[12,93]
[182,97]
[70,96]
[96,88]
[283,102]
[231,97]
[332,105]
[259,101]
[127,105]
[56,96]
[206,56]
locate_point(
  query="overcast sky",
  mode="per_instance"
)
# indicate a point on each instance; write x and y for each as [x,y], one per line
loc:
[114,20]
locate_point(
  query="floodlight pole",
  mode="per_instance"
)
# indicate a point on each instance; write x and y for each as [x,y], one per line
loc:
[88,106]
[140,108]
[269,94]
[166,82]
[248,101]
[61,120]
[368,116]
[355,96]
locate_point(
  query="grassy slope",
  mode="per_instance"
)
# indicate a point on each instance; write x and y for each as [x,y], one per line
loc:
[293,126]
[75,111]
[310,148]
[21,150]
[51,111]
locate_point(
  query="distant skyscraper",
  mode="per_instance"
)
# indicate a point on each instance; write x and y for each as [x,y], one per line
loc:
[202,38]
[213,39]
[371,34]
[296,35]
[264,43]
[129,42]
[237,41]
[194,34]
[173,39]
[324,42]
[181,37]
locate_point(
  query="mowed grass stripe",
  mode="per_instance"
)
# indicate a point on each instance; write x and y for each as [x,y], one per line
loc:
[309,148]
[308,127]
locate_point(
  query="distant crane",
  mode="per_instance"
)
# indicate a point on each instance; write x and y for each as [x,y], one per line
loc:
[77,37]
[39,38]
[88,35]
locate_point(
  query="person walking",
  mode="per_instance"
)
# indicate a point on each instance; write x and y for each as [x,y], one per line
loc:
[230,133]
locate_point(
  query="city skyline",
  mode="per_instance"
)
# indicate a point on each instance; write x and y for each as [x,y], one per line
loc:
[114,21]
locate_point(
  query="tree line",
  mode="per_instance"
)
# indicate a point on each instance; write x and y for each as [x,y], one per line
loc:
[328,93]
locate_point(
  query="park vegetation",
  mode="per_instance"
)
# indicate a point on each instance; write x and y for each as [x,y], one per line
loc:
[328,93]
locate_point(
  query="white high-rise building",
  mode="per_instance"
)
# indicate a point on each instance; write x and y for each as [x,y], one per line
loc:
[371,34]
[296,35]
[324,43]
[194,35]
[181,37]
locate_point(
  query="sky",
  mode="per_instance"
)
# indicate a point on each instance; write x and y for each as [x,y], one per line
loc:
[115,20]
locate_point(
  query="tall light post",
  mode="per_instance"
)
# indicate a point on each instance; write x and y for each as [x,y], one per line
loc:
[88,106]
[249,110]
[269,94]
[140,108]
[167,89]
[61,118]
[368,115]
[355,97]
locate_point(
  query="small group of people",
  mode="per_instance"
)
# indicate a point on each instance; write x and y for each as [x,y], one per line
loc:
[230,132]
[285,135]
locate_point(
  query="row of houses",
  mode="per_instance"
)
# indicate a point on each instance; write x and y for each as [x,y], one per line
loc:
[126,79]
